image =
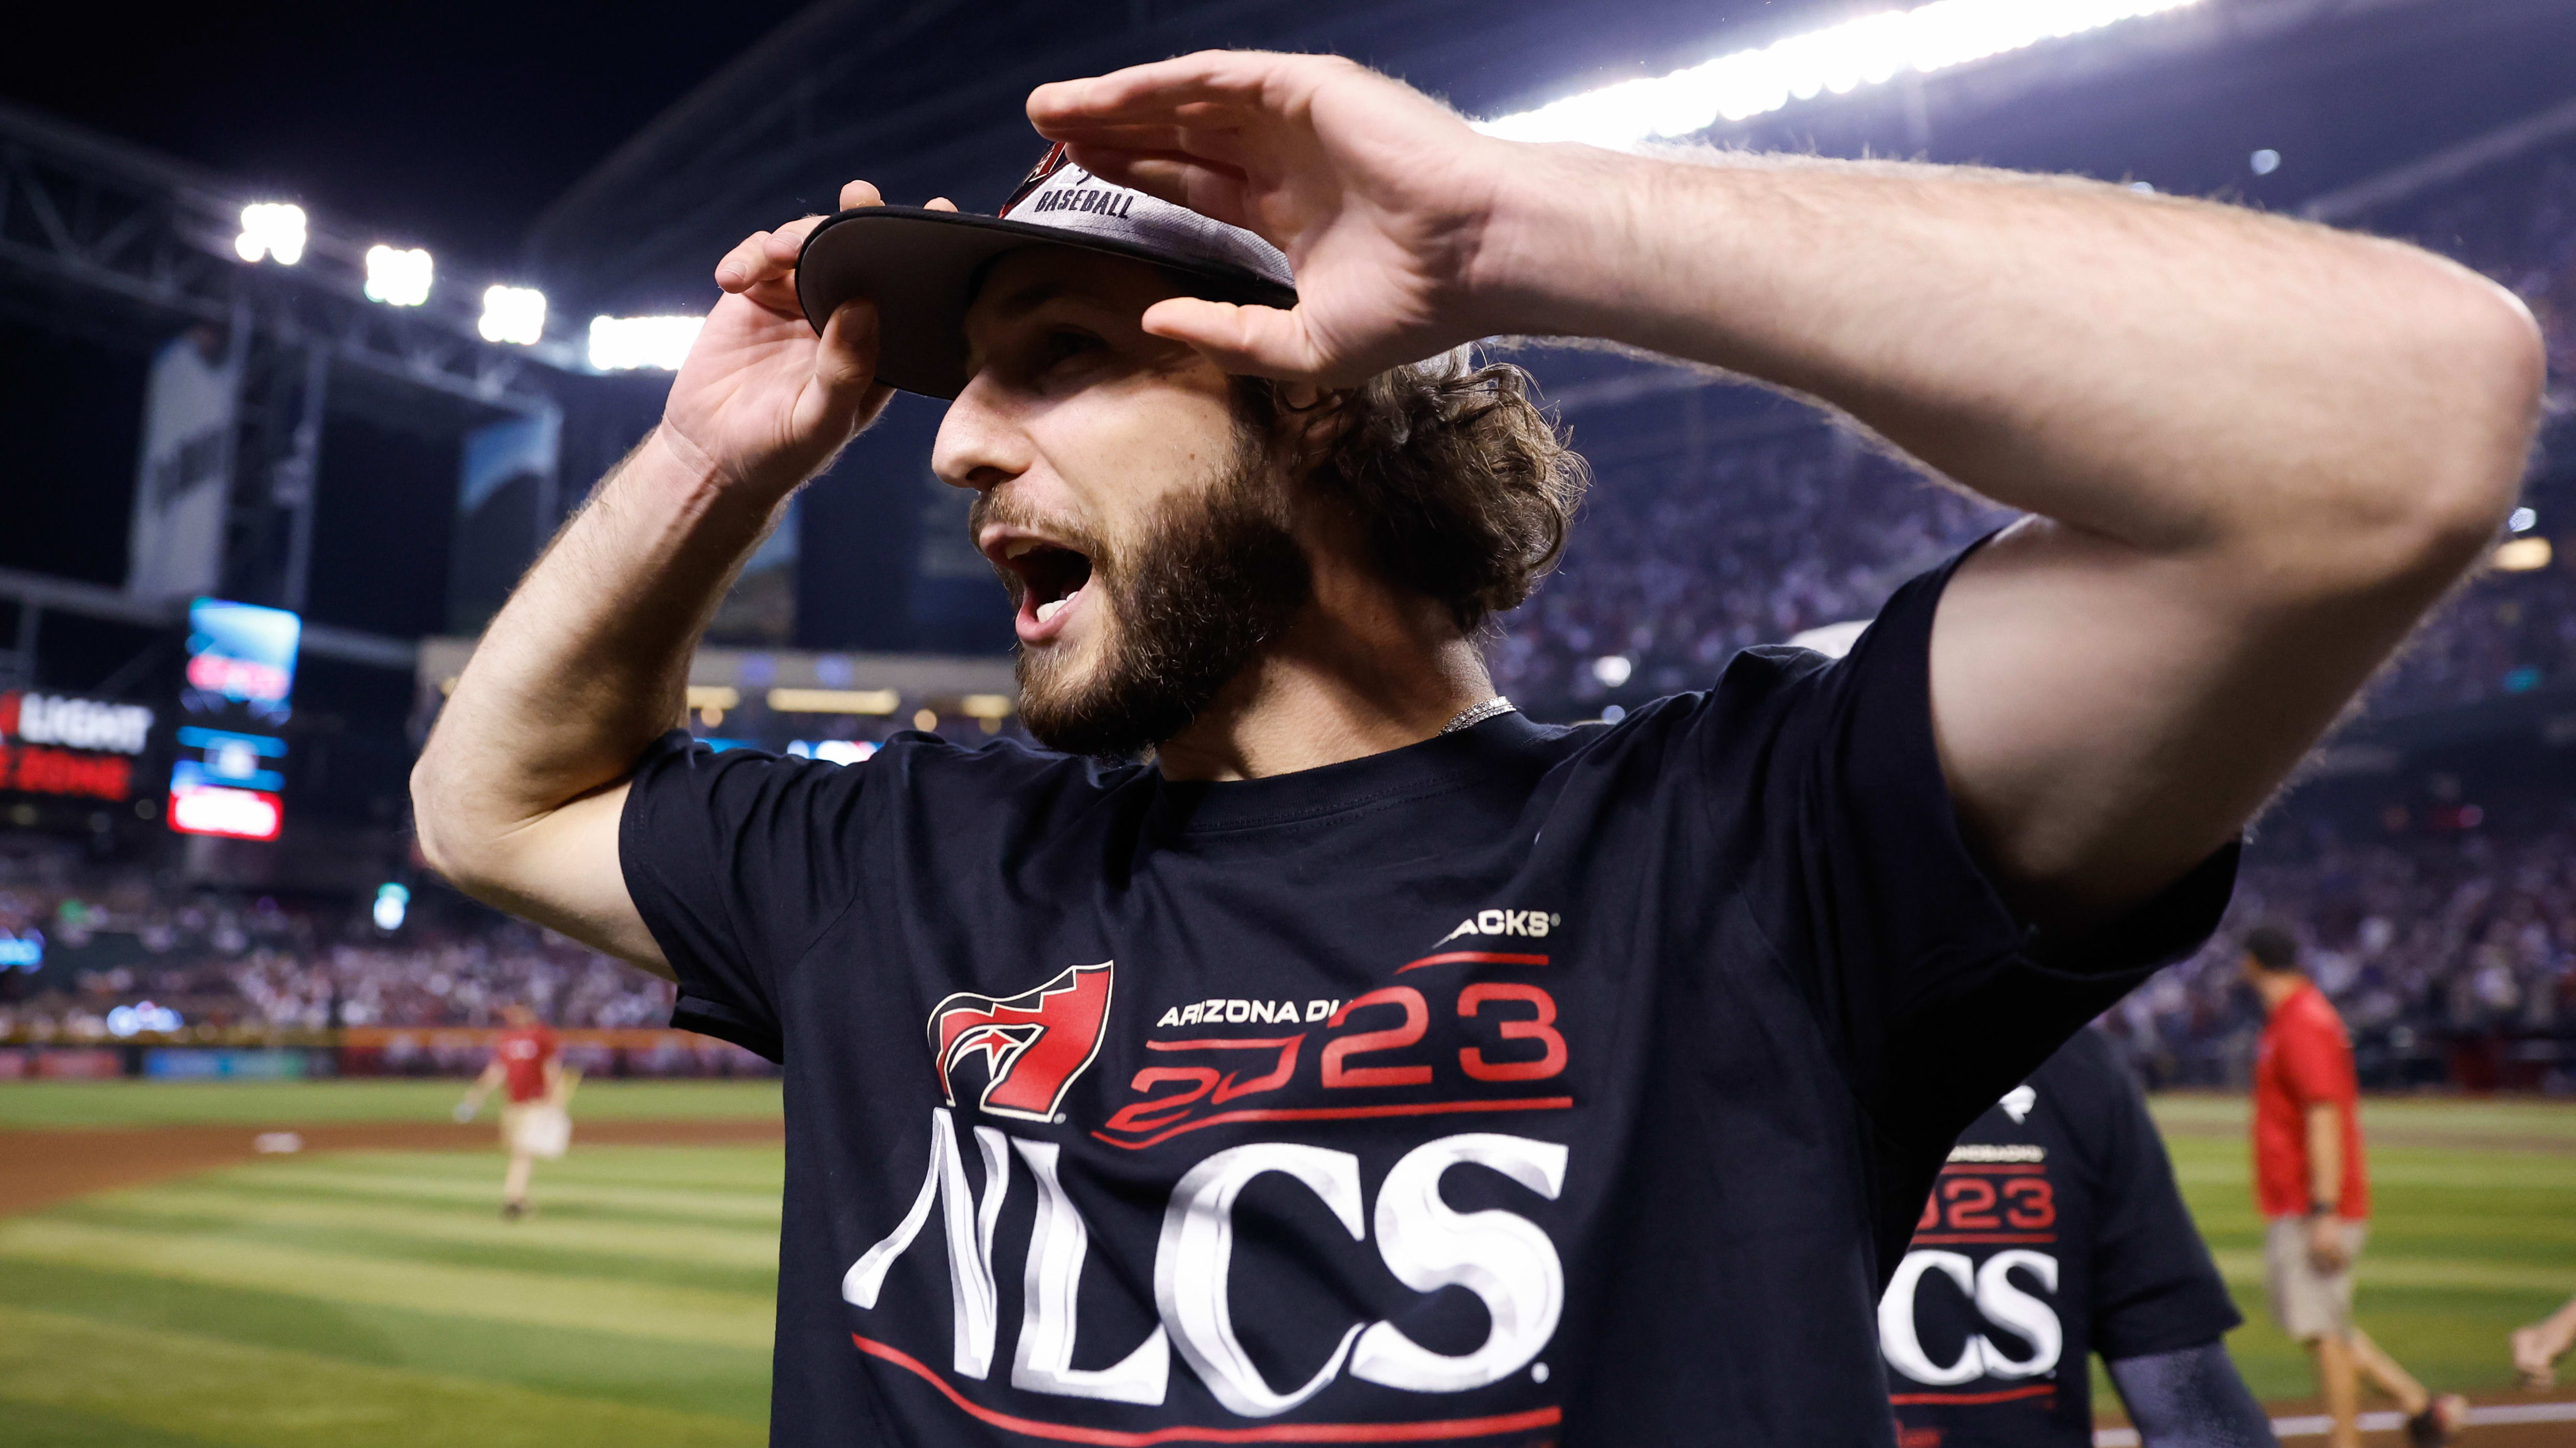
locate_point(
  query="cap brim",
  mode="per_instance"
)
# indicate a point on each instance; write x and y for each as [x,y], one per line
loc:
[921,269]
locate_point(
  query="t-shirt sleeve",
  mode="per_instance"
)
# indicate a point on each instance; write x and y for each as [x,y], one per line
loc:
[2155,1287]
[737,861]
[1935,994]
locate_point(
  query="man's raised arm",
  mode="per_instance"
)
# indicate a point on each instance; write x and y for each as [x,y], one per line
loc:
[517,795]
[2258,450]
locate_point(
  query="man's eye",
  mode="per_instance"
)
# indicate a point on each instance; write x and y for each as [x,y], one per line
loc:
[1060,346]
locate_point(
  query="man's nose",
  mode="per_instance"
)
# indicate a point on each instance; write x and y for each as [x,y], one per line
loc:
[979,446]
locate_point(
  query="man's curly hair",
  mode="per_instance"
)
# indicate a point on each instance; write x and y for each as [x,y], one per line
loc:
[1466,486]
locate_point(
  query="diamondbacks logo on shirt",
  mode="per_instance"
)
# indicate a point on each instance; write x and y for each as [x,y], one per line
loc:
[1035,1044]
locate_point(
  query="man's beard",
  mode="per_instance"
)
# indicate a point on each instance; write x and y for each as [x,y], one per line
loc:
[1210,582]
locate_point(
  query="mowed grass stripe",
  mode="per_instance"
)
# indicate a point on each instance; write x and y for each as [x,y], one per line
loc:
[747,1167]
[611,1238]
[483,1189]
[635,1309]
[35,1425]
[689,1377]
[249,1397]
[2243,1267]
[59,1104]
[469,1245]
[263,1215]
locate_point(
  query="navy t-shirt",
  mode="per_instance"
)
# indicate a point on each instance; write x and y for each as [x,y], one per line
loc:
[2055,1231]
[1524,1085]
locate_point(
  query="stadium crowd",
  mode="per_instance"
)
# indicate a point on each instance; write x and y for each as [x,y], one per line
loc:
[2450,952]
[258,965]
[1693,544]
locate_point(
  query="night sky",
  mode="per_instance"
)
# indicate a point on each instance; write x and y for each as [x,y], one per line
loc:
[448,126]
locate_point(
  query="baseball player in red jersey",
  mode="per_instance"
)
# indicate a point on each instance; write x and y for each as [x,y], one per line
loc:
[526,1063]
[2312,1186]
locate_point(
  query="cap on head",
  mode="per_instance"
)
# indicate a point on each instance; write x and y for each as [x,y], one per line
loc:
[2272,948]
[921,267]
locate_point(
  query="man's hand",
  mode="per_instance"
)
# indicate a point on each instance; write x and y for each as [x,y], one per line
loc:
[761,400]
[1378,194]
[2327,1251]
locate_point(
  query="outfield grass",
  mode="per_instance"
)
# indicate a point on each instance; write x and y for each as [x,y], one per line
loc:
[25,1104]
[375,1298]
[2466,1243]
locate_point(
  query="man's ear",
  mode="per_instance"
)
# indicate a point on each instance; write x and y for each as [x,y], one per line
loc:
[1313,418]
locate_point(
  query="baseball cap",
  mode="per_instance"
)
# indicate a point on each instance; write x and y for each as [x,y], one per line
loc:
[922,267]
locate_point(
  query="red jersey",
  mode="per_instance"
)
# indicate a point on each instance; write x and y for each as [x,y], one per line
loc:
[523,1051]
[2305,1060]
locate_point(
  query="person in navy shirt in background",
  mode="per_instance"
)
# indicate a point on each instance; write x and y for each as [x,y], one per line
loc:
[2055,1232]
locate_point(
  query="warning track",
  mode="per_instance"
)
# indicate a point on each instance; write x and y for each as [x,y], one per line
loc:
[38,1168]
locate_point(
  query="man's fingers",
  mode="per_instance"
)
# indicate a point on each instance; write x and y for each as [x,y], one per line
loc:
[856,194]
[845,359]
[1246,341]
[1221,80]
[764,255]
[1214,191]
[940,203]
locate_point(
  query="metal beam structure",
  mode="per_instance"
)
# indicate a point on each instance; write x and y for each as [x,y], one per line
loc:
[2451,163]
[37,594]
[94,222]
[105,239]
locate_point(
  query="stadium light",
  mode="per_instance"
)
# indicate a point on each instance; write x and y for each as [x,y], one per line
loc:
[396,277]
[2523,520]
[513,314]
[619,344]
[271,229]
[2264,162]
[834,701]
[393,902]
[1613,669]
[1840,58]
[2523,555]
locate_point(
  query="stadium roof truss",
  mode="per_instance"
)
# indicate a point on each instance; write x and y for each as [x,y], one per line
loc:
[102,236]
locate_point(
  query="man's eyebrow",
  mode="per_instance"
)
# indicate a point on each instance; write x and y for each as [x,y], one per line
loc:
[1031,297]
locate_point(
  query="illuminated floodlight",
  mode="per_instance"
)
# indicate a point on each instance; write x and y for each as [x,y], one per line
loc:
[1866,51]
[396,277]
[1613,669]
[619,344]
[2264,162]
[2524,555]
[271,229]
[514,314]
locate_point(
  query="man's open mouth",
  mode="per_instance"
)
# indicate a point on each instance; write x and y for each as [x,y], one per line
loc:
[1051,576]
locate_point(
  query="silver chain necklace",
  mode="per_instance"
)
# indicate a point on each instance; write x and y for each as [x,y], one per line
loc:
[1477,714]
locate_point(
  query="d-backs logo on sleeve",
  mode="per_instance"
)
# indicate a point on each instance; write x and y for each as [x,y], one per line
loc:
[1034,1044]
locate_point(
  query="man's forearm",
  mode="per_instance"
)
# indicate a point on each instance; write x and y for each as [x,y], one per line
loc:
[2190,1398]
[2148,368]
[588,661]
[2325,1154]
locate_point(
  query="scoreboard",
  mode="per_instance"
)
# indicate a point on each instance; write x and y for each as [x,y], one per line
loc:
[228,779]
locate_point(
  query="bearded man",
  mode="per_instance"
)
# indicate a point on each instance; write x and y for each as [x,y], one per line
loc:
[1321,1051]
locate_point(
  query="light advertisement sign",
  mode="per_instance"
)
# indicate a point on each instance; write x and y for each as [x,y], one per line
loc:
[241,683]
[60,745]
[241,654]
